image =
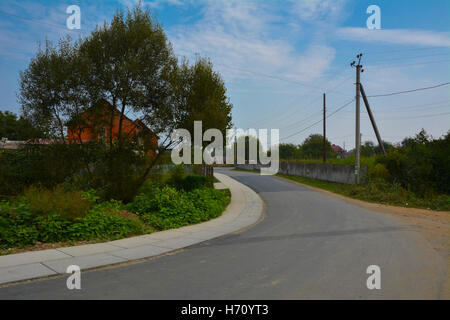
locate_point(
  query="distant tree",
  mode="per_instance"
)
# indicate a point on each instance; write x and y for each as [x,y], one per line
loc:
[202,95]
[288,151]
[312,147]
[387,146]
[19,129]
[367,149]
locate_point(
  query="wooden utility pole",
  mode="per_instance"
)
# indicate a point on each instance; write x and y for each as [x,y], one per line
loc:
[357,126]
[324,130]
[372,119]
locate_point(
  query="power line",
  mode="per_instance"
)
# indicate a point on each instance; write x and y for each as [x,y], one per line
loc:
[404,50]
[310,105]
[408,91]
[414,108]
[303,120]
[271,76]
[405,65]
[315,123]
[277,118]
[294,134]
[413,57]
[418,117]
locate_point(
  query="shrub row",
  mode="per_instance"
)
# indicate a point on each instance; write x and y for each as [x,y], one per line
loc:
[167,208]
[20,227]
[58,216]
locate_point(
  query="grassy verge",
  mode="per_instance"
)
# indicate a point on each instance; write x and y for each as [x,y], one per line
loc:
[376,192]
[43,219]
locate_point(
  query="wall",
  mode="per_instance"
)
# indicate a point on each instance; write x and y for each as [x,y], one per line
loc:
[328,172]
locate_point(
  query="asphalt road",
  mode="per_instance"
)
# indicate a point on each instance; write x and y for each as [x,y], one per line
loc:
[309,246]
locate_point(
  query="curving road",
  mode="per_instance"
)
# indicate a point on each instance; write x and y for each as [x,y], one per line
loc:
[309,246]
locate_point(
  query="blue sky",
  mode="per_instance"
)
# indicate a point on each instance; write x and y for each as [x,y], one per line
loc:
[278,57]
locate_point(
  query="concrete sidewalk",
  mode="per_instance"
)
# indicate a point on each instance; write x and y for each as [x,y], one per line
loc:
[244,210]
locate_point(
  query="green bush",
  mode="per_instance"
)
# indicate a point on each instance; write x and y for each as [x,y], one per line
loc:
[102,222]
[102,225]
[166,208]
[68,205]
[211,202]
[57,215]
[46,165]
[421,165]
[17,228]
[20,227]
[378,171]
[52,228]
[192,182]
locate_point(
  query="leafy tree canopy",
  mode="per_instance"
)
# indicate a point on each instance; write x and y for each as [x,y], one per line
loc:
[19,129]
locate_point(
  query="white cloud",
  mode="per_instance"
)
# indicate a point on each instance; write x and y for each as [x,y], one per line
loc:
[396,36]
[155,4]
[319,10]
[240,35]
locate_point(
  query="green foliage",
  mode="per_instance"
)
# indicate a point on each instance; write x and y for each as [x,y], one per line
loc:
[203,95]
[379,191]
[52,228]
[91,195]
[47,165]
[312,147]
[102,224]
[421,165]
[54,216]
[17,129]
[17,227]
[379,171]
[168,208]
[211,202]
[180,180]
[193,182]
[369,149]
[288,151]
[128,63]
[176,176]
[68,205]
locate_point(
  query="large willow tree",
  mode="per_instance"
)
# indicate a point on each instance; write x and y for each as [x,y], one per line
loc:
[130,64]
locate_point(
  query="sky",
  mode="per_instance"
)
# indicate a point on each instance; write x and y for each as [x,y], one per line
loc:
[277,58]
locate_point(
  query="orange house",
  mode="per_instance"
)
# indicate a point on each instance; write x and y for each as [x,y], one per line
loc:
[94,124]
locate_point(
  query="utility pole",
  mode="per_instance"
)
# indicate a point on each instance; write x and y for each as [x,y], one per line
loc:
[372,119]
[357,126]
[324,130]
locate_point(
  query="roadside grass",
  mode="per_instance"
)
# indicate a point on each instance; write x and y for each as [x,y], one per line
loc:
[50,218]
[375,191]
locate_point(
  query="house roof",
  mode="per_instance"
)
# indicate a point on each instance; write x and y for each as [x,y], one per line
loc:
[103,104]
[337,148]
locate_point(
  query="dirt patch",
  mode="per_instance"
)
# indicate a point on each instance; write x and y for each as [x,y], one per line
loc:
[124,214]
[38,246]
[433,225]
